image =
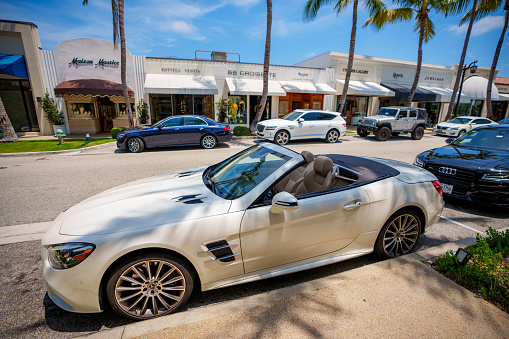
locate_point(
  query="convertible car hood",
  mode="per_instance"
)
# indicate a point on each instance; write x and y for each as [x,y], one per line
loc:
[158,200]
[468,158]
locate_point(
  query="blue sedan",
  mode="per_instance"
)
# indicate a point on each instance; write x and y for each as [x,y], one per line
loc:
[175,131]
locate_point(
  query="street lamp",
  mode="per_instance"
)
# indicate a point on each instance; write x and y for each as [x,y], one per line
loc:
[473,69]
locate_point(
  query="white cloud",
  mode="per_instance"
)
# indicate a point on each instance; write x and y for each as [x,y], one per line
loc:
[310,55]
[244,3]
[481,27]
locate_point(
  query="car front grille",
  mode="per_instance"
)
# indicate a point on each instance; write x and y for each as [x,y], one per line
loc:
[462,180]
[260,128]
[368,122]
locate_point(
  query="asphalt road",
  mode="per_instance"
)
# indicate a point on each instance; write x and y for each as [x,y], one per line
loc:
[38,188]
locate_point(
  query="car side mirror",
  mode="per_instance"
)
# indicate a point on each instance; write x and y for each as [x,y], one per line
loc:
[300,120]
[397,117]
[449,140]
[284,201]
[160,127]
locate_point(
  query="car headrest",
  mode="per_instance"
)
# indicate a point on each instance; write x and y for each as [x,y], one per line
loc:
[308,155]
[323,165]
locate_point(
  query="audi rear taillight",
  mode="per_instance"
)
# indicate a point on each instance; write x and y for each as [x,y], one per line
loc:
[438,187]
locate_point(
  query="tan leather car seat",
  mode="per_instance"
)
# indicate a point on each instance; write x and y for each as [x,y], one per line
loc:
[294,179]
[319,179]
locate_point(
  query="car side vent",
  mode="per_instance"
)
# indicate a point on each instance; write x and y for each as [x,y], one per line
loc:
[184,174]
[189,199]
[221,251]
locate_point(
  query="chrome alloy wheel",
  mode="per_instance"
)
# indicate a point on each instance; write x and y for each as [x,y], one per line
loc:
[282,138]
[401,235]
[208,141]
[133,145]
[150,288]
[332,136]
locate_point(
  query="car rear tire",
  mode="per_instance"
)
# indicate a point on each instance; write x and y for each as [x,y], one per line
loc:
[362,132]
[282,137]
[208,141]
[149,285]
[399,234]
[461,133]
[332,136]
[383,134]
[135,145]
[418,133]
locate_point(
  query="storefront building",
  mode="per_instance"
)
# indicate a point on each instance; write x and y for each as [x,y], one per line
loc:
[21,83]
[500,107]
[84,74]
[231,92]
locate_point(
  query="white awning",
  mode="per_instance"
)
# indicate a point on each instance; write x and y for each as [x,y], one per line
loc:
[180,84]
[477,87]
[307,87]
[253,87]
[367,88]
[503,97]
[444,95]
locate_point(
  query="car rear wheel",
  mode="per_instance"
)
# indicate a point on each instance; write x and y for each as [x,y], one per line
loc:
[399,235]
[135,145]
[417,133]
[383,134]
[282,137]
[362,132]
[461,133]
[149,286]
[208,141]
[332,136]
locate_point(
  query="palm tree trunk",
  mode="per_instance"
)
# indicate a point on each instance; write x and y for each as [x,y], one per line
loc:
[418,68]
[123,57]
[266,63]
[8,134]
[460,65]
[495,61]
[351,54]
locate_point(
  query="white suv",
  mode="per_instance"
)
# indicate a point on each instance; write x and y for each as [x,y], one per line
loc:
[303,124]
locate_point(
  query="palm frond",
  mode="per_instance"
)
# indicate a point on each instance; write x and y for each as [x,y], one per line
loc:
[484,8]
[389,16]
[374,6]
[312,7]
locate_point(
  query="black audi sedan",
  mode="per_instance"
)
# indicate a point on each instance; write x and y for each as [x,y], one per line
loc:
[474,167]
[175,131]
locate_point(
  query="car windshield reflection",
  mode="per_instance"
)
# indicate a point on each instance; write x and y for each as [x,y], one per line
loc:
[497,139]
[389,112]
[292,116]
[236,176]
[461,121]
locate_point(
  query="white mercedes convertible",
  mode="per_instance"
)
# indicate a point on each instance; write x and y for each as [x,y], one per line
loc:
[266,211]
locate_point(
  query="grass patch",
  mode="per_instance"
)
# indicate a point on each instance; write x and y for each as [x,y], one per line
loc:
[49,145]
[487,273]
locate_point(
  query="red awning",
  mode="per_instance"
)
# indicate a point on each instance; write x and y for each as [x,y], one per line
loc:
[91,88]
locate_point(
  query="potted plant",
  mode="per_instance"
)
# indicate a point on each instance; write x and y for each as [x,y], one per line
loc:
[52,114]
[142,112]
[222,107]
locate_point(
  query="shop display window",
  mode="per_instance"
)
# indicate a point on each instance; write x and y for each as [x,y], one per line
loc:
[432,112]
[202,105]
[355,109]
[254,101]
[183,104]
[237,109]
[81,110]
[121,112]
[499,108]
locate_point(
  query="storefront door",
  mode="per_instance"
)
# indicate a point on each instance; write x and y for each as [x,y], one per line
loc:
[106,113]
[254,101]
[18,102]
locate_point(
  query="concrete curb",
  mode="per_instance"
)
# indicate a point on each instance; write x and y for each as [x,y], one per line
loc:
[212,311]
[76,150]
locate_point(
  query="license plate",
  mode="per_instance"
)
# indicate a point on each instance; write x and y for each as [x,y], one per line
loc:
[447,188]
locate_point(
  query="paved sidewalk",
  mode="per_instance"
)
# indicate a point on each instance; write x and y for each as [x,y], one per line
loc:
[397,298]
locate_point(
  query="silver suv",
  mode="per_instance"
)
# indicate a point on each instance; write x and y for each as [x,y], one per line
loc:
[393,121]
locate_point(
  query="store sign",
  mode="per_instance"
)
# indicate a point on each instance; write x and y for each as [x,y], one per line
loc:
[358,71]
[80,62]
[503,89]
[433,79]
[179,71]
[77,62]
[249,73]
[397,75]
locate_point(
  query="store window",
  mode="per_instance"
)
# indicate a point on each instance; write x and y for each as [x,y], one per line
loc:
[202,105]
[161,106]
[432,112]
[254,101]
[293,101]
[499,108]
[81,110]
[121,112]
[19,104]
[182,104]
[237,109]
[477,108]
[355,109]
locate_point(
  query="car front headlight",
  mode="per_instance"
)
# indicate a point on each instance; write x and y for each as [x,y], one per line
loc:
[496,177]
[454,128]
[420,160]
[120,136]
[68,255]
[270,128]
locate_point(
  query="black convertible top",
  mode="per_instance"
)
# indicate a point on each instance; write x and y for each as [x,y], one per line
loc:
[370,169]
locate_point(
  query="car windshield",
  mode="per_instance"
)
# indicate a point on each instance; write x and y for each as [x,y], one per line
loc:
[490,138]
[389,112]
[461,121]
[239,174]
[293,115]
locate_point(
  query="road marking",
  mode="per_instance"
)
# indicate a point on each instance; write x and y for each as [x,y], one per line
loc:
[462,225]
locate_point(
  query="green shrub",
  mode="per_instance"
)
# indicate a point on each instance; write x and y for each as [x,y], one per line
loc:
[142,111]
[115,131]
[241,131]
[485,273]
[52,114]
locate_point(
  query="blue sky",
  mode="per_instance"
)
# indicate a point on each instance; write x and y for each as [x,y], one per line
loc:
[178,28]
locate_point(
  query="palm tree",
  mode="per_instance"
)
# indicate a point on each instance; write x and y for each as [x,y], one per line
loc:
[311,9]
[266,61]
[483,9]
[424,26]
[8,134]
[117,8]
[456,7]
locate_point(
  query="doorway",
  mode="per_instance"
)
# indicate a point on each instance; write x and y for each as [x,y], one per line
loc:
[106,110]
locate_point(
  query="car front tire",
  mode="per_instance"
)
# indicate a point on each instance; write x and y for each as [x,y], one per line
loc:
[399,235]
[135,145]
[282,137]
[383,134]
[208,141]
[332,136]
[462,132]
[417,133]
[362,132]
[149,285]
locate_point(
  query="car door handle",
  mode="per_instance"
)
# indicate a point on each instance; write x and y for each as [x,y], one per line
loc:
[351,207]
